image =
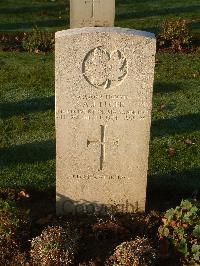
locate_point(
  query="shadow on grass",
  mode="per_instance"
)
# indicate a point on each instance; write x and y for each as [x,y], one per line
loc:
[176,125]
[30,9]
[27,106]
[167,190]
[160,87]
[159,12]
[195,25]
[31,25]
[130,2]
[37,151]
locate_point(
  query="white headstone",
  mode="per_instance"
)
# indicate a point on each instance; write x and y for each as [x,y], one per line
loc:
[92,13]
[104,81]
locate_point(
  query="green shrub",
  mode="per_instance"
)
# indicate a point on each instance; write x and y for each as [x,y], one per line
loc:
[181,227]
[138,252]
[174,34]
[11,41]
[55,246]
[38,41]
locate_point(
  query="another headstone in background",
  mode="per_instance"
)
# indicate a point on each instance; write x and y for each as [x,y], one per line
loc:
[104,81]
[92,13]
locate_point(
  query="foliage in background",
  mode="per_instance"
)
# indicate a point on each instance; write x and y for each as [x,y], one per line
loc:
[137,252]
[11,41]
[55,246]
[174,34]
[181,226]
[38,41]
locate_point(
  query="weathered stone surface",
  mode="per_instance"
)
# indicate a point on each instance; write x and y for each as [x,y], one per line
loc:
[92,13]
[104,80]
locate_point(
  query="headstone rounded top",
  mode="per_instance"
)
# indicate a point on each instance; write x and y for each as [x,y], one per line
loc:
[119,30]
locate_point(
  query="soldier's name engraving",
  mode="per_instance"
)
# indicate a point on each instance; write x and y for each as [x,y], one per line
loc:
[107,115]
[106,107]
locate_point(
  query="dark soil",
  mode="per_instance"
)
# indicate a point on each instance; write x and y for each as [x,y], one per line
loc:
[99,235]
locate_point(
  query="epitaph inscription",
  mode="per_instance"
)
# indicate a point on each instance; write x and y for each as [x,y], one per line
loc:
[104,81]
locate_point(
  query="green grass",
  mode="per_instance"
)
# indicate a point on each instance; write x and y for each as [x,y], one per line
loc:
[27,121]
[177,89]
[53,15]
[27,134]
[27,139]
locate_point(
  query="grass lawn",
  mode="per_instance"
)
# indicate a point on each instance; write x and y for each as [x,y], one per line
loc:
[27,120]
[27,130]
[27,139]
[52,15]
[27,134]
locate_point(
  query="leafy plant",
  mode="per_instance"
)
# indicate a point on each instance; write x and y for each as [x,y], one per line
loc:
[181,227]
[174,34]
[55,246]
[137,252]
[11,41]
[38,41]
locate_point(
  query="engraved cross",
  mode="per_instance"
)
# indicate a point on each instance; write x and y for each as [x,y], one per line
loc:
[102,143]
[93,5]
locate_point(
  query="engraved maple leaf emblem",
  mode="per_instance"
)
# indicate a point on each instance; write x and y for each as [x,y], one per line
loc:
[103,69]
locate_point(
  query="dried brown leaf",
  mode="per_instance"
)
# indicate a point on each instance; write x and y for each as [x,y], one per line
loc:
[172,151]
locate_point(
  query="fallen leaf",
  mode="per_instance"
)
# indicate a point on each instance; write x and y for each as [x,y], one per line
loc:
[171,151]
[173,223]
[23,195]
[161,107]
[185,226]
[189,142]
[164,220]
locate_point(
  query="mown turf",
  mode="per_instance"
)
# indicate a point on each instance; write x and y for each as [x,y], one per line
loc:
[27,120]
[27,137]
[23,15]
[175,125]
